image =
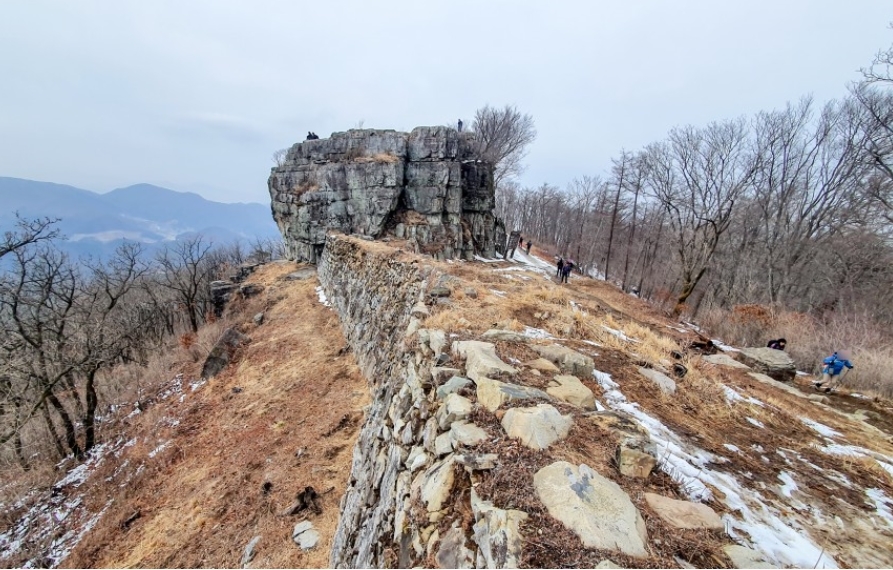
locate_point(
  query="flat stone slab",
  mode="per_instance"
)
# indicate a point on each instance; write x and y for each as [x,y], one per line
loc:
[537,427]
[467,434]
[776,364]
[493,393]
[595,508]
[743,557]
[569,389]
[497,533]
[567,359]
[453,409]
[305,536]
[664,382]
[724,360]
[436,482]
[780,385]
[683,514]
[481,360]
[542,365]
[451,386]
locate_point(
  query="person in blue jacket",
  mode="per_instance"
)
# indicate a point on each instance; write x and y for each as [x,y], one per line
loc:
[831,371]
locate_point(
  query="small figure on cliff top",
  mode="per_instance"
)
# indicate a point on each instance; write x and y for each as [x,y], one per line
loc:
[460,125]
[311,136]
[777,344]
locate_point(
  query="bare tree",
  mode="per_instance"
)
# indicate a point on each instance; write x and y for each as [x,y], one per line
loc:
[187,273]
[26,233]
[502,137]
[279,156]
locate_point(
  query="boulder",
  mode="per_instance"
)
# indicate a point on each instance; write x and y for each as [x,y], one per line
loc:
[258,319]
[223,351]
[305,535]
[249,290]
[436,482]
[542,365]
[466,434]
[743,557]
[481,360]
[569,389]
[633,462]
[452,552]
[451,386]
[538,427]
[595,508]
[683,514]
[454,408]
[776,364]
[497,533]
[664,382]
[221,293]
[493,393]
[568,360]
[443,444]
[724,360]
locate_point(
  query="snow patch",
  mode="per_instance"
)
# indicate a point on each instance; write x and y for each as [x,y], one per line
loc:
[322,297]
[755,422]
[821,428]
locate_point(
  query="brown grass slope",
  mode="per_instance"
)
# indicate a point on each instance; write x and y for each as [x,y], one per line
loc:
[283,417]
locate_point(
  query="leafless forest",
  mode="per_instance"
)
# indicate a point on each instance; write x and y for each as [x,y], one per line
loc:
[763,226]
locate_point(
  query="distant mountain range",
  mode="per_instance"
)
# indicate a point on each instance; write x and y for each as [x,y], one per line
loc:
[96,224]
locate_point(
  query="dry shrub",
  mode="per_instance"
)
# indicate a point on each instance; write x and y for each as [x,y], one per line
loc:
[811,339]
[381,157]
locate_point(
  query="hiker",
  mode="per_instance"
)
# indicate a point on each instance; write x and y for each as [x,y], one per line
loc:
[460,125]
[560,265]
[777,344]
[309,136]
[566,270]
[528,247]
[831,371]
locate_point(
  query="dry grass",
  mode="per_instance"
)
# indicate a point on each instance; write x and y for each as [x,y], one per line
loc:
[809,341]
[284,415]
[381,157]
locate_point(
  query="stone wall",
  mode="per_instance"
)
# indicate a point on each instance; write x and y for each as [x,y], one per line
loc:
[423,186]
[374,295]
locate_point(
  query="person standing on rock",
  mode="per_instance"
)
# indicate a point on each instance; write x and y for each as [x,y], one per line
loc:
[460,126]
[831,371]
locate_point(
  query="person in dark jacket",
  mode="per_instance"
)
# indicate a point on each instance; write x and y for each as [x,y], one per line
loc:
[529,244]
[560,265]
[831,371]
[777,344]
[566,270]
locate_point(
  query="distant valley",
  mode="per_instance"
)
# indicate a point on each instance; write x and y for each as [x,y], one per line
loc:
[95,224]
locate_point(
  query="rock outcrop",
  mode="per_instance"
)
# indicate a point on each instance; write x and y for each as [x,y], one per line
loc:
[424,186]
[773,363]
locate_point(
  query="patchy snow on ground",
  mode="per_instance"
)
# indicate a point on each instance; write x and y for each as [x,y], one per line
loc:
[620,334]
[789,484]
[753,520]
[731,447]
[723,346]
[498,293]
[882,504]
[755,422]
[40,522]
[322,297]
[820,428]
[732,397]
[531,332]
[487,259]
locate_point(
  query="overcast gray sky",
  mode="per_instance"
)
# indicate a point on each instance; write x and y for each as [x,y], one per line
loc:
[197,95]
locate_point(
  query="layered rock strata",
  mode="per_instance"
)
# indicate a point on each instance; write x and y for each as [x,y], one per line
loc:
[424,186]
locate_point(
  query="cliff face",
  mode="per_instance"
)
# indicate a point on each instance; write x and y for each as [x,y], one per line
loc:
[424,187]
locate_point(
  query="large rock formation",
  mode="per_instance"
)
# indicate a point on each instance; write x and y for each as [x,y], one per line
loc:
[424,186]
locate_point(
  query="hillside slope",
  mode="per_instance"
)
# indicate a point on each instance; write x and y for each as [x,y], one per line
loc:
[421,478]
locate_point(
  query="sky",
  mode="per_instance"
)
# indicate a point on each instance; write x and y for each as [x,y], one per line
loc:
[196,96]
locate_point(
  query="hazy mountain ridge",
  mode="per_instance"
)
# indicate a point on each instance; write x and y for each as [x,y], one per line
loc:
[96,223]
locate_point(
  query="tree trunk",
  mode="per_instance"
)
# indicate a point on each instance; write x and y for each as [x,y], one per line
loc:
[71,439]
[90,413]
